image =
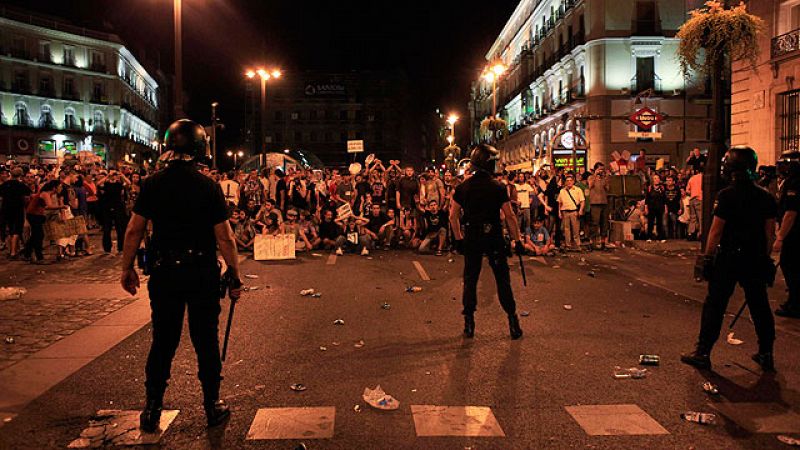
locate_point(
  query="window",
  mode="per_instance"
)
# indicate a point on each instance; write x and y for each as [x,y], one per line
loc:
[21,115]
[646,20]
[70,122]
[790,120]
[21,83]
[645,74]
[98,62]
[44,52]
[18,49]
[71,147]
[99,122]
[47,147]
[295,115]
[69,88]
[97,93]
[46,86]
[69,56]
[46,117]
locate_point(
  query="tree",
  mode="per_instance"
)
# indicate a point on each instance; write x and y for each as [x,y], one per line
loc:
[710,40]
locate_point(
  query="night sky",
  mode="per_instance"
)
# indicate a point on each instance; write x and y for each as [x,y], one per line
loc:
[439,44]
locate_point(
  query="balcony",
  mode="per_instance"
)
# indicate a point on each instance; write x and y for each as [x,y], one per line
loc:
[21,87]
[98,67]
[785,44]
[20,53]
[72,95]
[644,83]
[44,57]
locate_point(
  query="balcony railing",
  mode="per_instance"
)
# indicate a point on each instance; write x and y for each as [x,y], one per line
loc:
[643,84]
[21,88]
[785,44]
[20,53]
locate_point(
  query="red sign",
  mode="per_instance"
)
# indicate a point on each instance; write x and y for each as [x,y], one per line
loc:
[646,118]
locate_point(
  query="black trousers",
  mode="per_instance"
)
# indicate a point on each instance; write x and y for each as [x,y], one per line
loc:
[728,271]
[114,218]
[790,266]
[36,241]
[172,291]
[476,245]
[655,224]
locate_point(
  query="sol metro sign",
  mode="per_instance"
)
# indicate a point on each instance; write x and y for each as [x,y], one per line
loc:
[646,118]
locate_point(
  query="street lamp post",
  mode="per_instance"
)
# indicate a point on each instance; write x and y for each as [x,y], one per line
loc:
[264,75]
[235,156]
[452,119]
[214,134]
[492,74]
[178,95]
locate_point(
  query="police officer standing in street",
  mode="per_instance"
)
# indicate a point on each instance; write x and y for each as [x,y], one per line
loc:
[482,199]
[737,251]
[787,241]
[189,220]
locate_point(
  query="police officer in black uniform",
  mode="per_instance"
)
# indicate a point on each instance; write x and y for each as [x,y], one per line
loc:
[787,242]
[189,219]
[482,198]
[737,251]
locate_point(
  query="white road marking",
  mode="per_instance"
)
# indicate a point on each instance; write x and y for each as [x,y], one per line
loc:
[421,270]
[331,260]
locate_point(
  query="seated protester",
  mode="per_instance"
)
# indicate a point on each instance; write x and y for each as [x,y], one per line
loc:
[354,236]
[251,209]
[539,242]
[270,225]
[329,230]
[435,224]
[268,209]
[243,229]
[292,226]
[380,227]
[310,229]
[637,219]
[407,228]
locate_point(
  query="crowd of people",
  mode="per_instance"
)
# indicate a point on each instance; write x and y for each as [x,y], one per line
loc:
[378,206]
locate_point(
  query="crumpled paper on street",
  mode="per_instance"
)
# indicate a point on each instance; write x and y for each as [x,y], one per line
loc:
[12,293]
[379,399]
[733,341]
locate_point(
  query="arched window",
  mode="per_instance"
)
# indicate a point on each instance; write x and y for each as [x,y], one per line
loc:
[46,117]
[21,117]
[99,123]
[70,121]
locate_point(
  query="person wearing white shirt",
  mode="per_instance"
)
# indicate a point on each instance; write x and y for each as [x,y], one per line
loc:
[571,202]
[524,192]
[230,188]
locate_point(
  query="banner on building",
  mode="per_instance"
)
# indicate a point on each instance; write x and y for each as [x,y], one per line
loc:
[273,248]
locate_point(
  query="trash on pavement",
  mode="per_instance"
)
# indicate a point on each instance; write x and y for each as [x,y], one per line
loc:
[525,313]
[260,387]
[649,360]
[788,440]
[634,373]
[334,343]
[306,292]
[386,306]
[316,295]
[251,276]
[568,307]
[316,254]
[698,417]
[733,341]
[323,348]
[298,387]
[357,408]
[338,322]
[556,267]
[11,293]
[413,289]
[379,399]
[710,388]
[250,288]
[450,260]
[592,274]
[359,344]
[10,340]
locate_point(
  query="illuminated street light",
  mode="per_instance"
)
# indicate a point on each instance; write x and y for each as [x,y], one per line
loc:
[265,75]
[250,74]
[235,156]
[451,139]
[499,69]
[452,119]
[492,74]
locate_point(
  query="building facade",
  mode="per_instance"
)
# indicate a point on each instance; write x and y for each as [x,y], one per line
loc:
[765,104]
[319,112]
[581,65]
[65,89]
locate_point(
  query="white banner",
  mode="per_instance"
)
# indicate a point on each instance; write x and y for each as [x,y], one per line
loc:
[273,248]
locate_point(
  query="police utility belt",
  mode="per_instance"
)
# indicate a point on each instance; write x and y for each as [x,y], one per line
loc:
[483,228]
[174,259]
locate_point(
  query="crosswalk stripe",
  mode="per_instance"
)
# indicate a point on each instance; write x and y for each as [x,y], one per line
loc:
[293,423]
[422,273]
[331,260]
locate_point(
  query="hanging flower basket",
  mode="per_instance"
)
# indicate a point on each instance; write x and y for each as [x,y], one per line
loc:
[718,32]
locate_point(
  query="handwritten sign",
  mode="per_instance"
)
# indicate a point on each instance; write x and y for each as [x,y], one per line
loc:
[344,211]
[273,248]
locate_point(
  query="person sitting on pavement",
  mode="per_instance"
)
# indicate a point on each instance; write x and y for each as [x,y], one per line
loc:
[268,208]
[292,226]
[354,238]
[309,228]
[539,242]
[329,231]
[380,228]
[435,223]
[407,228]
[243,229]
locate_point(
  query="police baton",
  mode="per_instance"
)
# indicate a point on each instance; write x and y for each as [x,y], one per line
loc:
[522,269]
[228,329]
[736,317]
[229,283]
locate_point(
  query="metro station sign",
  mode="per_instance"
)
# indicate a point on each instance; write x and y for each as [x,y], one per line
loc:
[646,118]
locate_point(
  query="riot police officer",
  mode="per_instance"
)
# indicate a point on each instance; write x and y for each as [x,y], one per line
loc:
[481,199]
[189,219]
[737,251]
[787,242]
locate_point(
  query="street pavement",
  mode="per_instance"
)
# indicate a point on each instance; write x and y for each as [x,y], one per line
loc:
[542,390]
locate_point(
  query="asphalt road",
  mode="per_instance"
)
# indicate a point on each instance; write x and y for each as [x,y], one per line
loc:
[415,351]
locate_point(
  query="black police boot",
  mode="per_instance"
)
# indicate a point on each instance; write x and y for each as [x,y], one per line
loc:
[698,358]
[217,412]
[150,417]
[765,360]
[513,327]
[787,310]
[469,326]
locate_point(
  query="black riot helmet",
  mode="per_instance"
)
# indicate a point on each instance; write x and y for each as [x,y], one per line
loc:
[740,163]
[789,164]
[484,157]
[186,137]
